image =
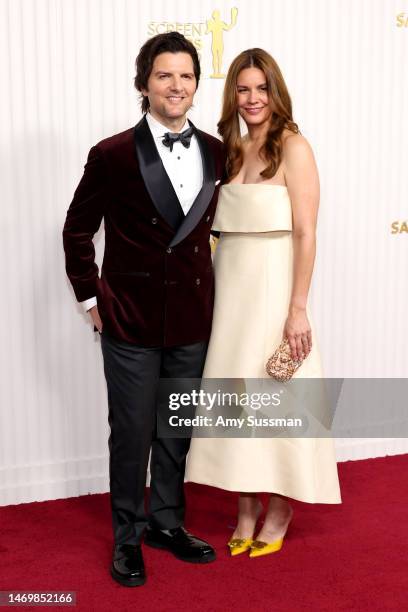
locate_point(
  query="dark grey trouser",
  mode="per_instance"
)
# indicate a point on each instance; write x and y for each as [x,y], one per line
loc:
[132,376]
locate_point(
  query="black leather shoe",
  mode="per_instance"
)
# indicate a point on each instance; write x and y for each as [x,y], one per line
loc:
[182,544]
[127,565]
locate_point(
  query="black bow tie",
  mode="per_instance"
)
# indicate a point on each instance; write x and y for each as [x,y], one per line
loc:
[184,137]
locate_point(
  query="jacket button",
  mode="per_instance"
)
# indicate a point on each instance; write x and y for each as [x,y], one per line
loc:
[196,249]
[197,281]
[154,220]
[168,250]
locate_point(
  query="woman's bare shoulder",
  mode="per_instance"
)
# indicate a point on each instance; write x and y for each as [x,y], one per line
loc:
[295,145]
[296,149]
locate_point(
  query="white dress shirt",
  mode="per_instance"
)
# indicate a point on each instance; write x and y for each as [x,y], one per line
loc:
[183,166]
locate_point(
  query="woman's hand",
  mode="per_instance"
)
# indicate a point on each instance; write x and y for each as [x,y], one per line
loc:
[298,332]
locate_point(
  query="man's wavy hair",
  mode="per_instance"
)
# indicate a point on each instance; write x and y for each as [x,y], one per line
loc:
[171,42]
[281,117]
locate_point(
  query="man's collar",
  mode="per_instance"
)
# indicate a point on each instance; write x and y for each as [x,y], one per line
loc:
[158,129]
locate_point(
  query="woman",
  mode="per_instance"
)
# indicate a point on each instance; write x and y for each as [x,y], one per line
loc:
[267,214]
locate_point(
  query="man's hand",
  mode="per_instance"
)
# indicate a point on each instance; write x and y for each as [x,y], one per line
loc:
[96,318]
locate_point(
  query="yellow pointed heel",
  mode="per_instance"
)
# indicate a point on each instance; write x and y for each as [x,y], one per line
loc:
[238,546]
[259,548]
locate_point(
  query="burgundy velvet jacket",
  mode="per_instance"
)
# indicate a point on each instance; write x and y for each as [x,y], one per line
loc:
[156,286]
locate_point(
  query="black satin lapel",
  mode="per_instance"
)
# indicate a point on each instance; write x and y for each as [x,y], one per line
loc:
[155,176]
[204,196]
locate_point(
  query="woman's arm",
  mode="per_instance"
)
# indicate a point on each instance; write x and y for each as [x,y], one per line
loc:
[302,181]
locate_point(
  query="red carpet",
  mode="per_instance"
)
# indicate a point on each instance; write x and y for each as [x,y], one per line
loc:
[351,557]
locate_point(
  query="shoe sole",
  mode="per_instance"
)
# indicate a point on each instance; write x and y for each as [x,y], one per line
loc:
[125,582]
[206,559]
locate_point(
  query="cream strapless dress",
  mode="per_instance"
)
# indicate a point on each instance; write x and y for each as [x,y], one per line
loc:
[253,281]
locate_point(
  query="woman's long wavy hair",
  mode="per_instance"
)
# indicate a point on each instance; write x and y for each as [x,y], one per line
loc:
[281,117]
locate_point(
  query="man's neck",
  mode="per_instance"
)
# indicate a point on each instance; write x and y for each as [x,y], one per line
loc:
[173,124]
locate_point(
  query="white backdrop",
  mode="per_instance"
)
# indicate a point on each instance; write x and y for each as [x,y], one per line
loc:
[66,74]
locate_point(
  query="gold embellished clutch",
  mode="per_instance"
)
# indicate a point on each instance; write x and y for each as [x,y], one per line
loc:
[281,366]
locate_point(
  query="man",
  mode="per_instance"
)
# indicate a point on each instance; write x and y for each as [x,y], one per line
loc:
[155,185]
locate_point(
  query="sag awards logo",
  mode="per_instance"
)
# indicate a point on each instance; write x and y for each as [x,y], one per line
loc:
[399,227]
[195,32]
[402,20]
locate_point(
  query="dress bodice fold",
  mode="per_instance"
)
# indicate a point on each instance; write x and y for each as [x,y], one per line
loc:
[253,207]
